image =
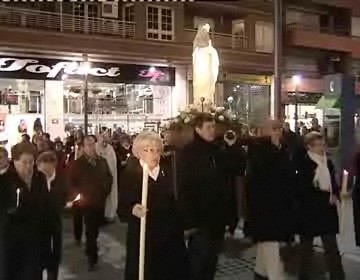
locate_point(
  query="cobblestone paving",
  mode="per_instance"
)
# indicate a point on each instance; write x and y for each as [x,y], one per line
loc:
[232,266]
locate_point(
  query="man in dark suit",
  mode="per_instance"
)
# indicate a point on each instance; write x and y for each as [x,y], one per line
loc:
[205,197]
[5,197]
[90,177]
[57,197]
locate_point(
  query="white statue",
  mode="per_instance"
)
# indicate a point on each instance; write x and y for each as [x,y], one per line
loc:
[205,68]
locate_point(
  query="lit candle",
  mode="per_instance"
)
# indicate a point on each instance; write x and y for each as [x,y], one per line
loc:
[17,197]
[344,183]
[128,155]
[77,198]
[144,196]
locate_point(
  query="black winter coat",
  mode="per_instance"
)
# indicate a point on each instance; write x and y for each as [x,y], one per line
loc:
[165,253]
[205,195]
[270,192]
[316,216]
[25,230]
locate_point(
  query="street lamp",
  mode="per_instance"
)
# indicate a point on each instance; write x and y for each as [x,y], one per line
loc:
[84,70]
[296,79]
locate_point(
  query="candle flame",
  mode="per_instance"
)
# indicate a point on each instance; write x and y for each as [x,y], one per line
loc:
[128,155]
[346,172]
[77,198]
[17,191]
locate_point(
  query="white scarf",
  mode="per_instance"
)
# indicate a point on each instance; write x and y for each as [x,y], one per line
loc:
[322,178]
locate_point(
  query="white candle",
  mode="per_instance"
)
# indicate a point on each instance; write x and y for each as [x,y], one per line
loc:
[77,198]
[144,196]
[344,182]
[17,197]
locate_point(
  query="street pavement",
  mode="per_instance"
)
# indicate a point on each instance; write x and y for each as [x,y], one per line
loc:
[236,263]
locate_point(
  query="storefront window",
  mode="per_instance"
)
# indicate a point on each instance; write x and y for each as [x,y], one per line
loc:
[22,96]
[105,99]
[250,103]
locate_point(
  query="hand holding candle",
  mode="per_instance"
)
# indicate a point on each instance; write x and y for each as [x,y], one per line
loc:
[71,203]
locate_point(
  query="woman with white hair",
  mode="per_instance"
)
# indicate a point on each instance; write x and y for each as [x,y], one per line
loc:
[165,249]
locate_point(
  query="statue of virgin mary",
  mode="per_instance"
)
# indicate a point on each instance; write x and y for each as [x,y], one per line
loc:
[205,67]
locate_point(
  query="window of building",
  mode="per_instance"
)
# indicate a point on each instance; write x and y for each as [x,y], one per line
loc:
[160,23]
[264,39]
[355,26]
[22,96]
[129,12]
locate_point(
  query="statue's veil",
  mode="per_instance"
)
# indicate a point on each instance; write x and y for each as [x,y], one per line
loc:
[202,38]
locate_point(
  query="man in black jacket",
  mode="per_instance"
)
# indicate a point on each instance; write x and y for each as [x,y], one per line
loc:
[57,198]
[5,197]
[204,196]
[90,177]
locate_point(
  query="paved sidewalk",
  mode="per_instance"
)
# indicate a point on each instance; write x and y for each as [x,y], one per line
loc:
[236,264]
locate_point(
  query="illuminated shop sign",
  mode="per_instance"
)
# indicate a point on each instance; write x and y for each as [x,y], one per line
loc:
[53,69]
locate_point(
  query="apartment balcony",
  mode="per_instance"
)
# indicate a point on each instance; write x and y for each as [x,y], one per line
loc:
[302,35]
[64,22]
[221,40]
[39,32]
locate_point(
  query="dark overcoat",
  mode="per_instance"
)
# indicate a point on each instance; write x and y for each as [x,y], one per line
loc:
[25,231]
[165,255]
[316,216]
[270,192]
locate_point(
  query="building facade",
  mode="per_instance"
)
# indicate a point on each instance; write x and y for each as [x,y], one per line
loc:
[140,57]
[320,38]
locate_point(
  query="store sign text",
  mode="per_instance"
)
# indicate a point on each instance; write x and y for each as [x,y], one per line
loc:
[54,69]
[69,68]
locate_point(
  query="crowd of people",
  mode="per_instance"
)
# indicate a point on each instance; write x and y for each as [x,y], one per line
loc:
[277,183]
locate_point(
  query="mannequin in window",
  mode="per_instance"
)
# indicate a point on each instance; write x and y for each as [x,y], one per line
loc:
[205,67]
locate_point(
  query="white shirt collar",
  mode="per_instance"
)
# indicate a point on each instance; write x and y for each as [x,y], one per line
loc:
[154,174]
[50,179]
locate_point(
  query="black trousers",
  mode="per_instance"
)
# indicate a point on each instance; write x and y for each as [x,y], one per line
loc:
[332,257]
[78,222]
[93,220]
[53,252]
[203,249]
[23,258]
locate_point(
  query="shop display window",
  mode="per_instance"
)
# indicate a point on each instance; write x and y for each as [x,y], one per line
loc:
[250,103]
[105,99]
[22,96]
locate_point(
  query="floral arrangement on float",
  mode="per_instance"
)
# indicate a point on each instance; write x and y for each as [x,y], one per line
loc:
[185,118]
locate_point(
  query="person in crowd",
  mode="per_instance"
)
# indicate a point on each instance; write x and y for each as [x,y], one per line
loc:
[165,255]
[5,197]
[47,138]
[27,215]
[291,140]
[78,213]
[123,153]
[90,176]
[356,196]
[318,194]
[315,126]
[57,196]
[25,138]
[269,200]
[105,150]
[204,197]
[61,157]
[42,145]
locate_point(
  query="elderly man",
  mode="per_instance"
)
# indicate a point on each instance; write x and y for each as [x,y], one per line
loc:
[105,150]
[90,176]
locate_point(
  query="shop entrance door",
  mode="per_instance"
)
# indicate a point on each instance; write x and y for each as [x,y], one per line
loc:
[85,17]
